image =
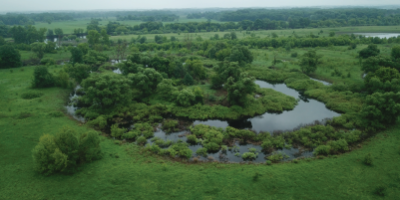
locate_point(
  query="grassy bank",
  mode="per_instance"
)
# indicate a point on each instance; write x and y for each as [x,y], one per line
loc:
[126,173]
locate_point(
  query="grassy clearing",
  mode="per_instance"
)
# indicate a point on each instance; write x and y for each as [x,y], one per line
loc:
[126,173]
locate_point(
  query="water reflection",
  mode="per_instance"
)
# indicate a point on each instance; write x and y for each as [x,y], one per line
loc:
[306,112]
[379,35]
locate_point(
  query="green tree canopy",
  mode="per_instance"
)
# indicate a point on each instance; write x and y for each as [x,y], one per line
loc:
[93,37]
[78,71]
[39,49]
[309,62]
[9,57]
[239,89]
[106,90]
[380,109]
[395,53]
[42,78]
[146,80]
[76,55]
[371,50]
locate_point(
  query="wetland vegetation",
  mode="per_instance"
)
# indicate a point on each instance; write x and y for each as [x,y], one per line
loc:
[121,110]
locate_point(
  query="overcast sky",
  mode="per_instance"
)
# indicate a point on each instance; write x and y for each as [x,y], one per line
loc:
[41,5]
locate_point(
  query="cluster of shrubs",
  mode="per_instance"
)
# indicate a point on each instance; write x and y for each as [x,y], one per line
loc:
[65,151]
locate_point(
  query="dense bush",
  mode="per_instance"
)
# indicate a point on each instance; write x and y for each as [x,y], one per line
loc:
[367,160]
[65,151]
[371,50]
[9,57]
[322,150]
[42,78]
[249,156]
[202,152]
[47,61]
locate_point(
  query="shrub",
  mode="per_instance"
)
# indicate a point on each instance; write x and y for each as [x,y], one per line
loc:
[42,78]
[141,140]
[170,125]
[56,114]
[276,157]
[339,145]
[368,159]
[212,146]
[116,131]
[249,156]
[202,152]
[180,149]
[9,57]
[154,148]
[47,61]
[267,145]
[65,150]
[268,162]
[294,55]
[100,122]
[322,150]
[191,139]
[31,95]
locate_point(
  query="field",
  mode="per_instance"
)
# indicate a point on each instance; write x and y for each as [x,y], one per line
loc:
[127,173]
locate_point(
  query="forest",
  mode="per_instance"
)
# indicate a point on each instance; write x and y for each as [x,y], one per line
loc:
[277,103]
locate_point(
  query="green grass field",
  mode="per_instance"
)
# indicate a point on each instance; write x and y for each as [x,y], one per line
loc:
[126,173]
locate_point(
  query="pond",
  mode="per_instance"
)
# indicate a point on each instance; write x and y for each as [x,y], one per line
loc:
[306,112]
[379,35]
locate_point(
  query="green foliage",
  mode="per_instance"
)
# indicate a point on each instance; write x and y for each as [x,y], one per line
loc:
[42,78]
[309,62]
[322,150]
[95,59]
[371,50]
[9,57]
[241,54]
[76,55]
[47,61]
[78,71]
[191,139]
[338,145]
[106,90]
[180,149]
[268,162]
[367,160]
[239,89]
[294,55]
[146,80]
[99,122]
[166,89]
[202,152]
[189,96]
[170,125]
[380,109]
[116,131]
[39,49]
[93,37]
[195,69]
[64,151]
[276,157]
[141,140]
[249,156]
[188,79]
[31,95]
[211,146]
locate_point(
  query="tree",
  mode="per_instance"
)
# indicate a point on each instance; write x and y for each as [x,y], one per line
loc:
[384,79]
[309,62]
[76,55]
[185,97]
[78,71]
[371,50]
[39,49]
[105,37]
[241,54]
[9,57]
[239,89]
[2,41]
[106,90]
[188,79]
[93,37]
[166,89]
[64,151]
[380,109]
[146,80]
[42,78]
[195,68]
[59,32]
[395,53]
